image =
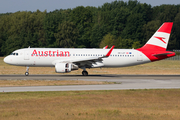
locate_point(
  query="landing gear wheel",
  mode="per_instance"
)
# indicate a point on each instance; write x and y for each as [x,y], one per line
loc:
[26,73]
[84,73]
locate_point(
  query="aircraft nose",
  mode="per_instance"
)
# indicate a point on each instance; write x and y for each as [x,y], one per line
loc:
[5,60]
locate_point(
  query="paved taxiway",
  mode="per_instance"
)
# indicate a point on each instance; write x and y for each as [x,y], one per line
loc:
[126,82]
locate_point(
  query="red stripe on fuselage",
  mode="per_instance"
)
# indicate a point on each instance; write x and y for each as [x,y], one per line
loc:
[149,50]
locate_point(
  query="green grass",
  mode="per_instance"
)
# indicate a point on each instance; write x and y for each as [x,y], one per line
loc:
[104,105]
[96,105]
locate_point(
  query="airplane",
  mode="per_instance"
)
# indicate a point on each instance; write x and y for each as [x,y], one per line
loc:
[68,59]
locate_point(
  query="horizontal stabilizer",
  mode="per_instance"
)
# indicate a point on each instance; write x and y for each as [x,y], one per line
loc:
[162,54]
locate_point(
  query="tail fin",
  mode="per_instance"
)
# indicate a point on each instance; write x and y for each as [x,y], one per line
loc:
[155,48]
[160,38]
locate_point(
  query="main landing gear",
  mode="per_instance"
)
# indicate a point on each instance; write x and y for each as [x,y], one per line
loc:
[27,71]
[84,72]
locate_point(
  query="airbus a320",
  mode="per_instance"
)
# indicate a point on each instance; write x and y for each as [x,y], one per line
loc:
[68,59]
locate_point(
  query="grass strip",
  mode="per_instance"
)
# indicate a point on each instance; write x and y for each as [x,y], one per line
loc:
[8,83]
[120,104]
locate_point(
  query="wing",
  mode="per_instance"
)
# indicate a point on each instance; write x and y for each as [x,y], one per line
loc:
[92,61]
[89,61]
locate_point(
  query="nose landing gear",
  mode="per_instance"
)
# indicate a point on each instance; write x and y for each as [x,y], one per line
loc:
[27,71]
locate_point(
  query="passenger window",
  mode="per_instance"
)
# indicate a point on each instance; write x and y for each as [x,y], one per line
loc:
[13,53]
[16,54]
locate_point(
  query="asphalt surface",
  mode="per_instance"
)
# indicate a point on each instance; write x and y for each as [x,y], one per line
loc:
[125,82]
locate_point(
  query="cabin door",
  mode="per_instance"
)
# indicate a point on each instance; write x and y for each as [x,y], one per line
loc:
[26,55]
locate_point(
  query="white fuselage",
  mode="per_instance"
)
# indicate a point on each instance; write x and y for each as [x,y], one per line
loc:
[47,57]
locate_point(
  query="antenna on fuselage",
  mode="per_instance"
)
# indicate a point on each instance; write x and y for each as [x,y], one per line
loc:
[29,47]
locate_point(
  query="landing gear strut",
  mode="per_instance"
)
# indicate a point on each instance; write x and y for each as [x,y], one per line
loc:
[27,71]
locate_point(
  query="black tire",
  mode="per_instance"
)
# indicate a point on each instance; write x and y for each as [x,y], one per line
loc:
[84,73]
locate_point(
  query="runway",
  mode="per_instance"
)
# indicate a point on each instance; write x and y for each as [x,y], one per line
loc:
[124,82]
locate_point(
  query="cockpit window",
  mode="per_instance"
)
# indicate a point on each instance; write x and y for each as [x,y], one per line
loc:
[14,54]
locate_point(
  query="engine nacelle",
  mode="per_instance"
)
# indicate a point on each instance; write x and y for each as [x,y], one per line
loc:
[63,67]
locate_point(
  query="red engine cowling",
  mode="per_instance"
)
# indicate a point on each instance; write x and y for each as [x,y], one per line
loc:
[63,67]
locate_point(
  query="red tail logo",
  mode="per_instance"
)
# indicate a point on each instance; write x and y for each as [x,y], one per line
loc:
[161,39]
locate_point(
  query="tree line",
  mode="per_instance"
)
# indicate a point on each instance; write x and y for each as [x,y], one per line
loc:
[123,24]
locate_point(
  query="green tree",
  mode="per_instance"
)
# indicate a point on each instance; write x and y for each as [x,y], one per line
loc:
[107,40]
[66,35]
[82,17]
[136,44]
[123,24]
[175,37]
[149,29]
[124,43]
[97,33]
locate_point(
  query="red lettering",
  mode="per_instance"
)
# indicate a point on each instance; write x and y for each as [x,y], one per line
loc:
[50,53]
[61,54]
[34,52]
[67,53]
[57,53]
[54,52]
[46,53]
[40,53]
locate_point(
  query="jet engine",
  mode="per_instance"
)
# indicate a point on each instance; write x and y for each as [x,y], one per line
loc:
[65,67]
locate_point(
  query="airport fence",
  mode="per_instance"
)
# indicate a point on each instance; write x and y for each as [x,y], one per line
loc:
[177,57]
